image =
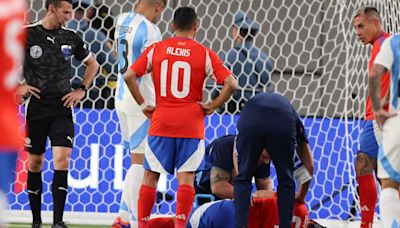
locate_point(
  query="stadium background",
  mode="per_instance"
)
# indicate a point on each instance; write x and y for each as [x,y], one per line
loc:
[318,64]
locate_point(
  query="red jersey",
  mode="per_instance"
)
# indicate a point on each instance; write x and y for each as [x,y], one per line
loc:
[12,38]
[179,67]
[385,81]
[264,214]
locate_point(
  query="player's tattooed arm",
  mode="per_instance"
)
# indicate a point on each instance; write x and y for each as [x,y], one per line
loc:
[374,90]
[374,85]
[220,182]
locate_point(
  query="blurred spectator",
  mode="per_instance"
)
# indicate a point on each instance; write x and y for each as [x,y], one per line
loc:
[249,64]
[99,44]
[104,20]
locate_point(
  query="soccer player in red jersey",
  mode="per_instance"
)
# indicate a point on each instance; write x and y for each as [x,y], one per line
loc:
[12,39]
[368,27]
[179,66]
[263,214]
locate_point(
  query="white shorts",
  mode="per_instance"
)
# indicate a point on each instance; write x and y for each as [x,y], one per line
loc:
[134,128]
[389,152]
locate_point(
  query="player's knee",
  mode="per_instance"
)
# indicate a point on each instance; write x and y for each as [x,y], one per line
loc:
[61,163]
[35,163]
[186,178]
[365,165]
[150,178]
[137,158]
[35,166]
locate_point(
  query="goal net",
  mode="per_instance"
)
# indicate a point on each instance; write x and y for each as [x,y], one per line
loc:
[315,59]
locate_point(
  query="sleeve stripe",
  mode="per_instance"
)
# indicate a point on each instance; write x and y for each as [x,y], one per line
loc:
[150,59]
[87,58]
[209,69]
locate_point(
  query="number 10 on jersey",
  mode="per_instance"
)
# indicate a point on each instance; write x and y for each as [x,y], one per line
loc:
[176,67]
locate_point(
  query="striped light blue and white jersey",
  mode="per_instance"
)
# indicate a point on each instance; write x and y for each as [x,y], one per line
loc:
[133,34]
[389,57]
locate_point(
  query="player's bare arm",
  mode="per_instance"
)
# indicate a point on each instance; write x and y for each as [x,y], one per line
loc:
[386,99]
[304,152]
[130,78]
[73,98]
[230,85]
[131,81]
[374,90]
[220,182]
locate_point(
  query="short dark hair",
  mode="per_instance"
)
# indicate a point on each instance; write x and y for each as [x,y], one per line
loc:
[185,18]
[55,3]
[370,11]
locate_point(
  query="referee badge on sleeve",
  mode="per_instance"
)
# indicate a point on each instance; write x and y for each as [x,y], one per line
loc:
[67,51]
[36,51]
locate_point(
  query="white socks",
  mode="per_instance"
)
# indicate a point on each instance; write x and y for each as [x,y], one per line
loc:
[134,187]
[3,204]
[130,194]
[390,208]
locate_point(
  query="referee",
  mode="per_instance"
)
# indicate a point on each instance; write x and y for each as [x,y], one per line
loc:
[46,70]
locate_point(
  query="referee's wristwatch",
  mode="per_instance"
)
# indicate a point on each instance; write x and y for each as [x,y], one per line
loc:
[83,88]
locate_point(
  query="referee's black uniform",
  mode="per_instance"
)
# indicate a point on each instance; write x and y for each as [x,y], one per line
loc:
[47,67]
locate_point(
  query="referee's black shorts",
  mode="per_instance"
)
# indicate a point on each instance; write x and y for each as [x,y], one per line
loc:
[48,117]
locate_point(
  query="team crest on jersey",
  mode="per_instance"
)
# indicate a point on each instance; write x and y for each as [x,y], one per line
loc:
[67,51]
[36,51]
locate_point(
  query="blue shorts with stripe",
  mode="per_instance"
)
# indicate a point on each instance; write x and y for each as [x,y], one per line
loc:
[219,213]
[370,138]
[164,154]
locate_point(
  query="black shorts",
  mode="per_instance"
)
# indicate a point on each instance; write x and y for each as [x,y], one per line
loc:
[50,118]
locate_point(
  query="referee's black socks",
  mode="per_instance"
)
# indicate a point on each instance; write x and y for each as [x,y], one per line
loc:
[35,186]
[59,189]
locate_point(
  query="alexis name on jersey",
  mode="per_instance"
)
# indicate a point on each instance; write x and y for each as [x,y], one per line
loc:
[178,51]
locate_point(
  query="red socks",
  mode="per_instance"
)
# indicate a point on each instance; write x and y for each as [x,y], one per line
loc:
[147,196]
[185,197]
[368,197]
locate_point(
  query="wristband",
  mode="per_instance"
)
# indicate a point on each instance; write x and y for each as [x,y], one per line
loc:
[301,175]
[83,87]
[143,105]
